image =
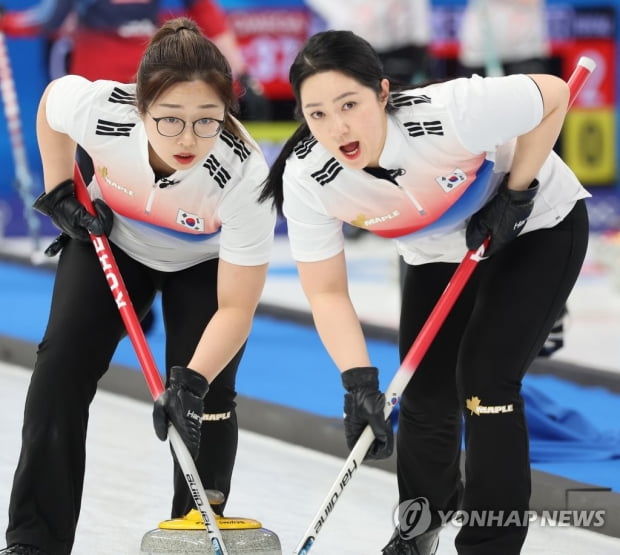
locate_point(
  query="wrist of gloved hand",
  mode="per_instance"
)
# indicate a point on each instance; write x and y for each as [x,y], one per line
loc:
[364,405]
[502,218]
[360,377]
[70,216]
[182,404]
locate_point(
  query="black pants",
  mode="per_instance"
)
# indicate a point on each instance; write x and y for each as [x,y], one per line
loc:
[478,359]
[83,331]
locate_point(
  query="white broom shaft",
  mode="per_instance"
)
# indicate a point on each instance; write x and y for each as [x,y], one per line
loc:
[192,478]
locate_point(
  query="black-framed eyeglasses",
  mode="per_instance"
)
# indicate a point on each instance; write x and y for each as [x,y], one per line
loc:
[205,128]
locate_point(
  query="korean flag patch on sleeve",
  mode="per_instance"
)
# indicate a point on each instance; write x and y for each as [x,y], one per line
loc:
[452,181]
[190,221]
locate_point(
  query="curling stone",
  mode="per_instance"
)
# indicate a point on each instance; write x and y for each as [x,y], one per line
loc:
[188,535]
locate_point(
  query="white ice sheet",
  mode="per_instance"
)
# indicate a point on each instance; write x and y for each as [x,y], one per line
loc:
[128,490]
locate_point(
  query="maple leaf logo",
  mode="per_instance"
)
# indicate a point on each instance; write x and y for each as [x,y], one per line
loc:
[359,221]
[473,404]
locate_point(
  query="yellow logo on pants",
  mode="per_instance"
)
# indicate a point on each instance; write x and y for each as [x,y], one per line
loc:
[475,406]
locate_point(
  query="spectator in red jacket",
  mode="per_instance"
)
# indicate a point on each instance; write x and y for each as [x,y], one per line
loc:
[107,39]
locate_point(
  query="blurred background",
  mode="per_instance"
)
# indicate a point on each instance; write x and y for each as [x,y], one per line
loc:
[268,35]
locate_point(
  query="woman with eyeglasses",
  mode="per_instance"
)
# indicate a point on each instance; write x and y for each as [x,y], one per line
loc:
[176,188]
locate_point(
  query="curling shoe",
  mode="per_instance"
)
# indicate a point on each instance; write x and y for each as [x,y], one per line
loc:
[21,549]
[424,544]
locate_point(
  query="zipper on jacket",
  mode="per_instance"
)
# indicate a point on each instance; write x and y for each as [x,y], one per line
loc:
[149,201]
[413,200]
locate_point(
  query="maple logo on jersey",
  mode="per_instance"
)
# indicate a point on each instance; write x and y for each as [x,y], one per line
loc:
[104,174]
[452,181]
[364,221]
[191,221]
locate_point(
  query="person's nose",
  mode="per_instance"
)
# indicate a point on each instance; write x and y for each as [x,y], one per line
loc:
[187,137]
[339,127]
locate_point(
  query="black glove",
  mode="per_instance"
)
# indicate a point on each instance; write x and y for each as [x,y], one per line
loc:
[182,403]
[363,405]
[70,216]
[503,217]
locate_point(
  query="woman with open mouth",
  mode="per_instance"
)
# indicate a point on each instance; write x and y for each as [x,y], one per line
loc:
[440,169]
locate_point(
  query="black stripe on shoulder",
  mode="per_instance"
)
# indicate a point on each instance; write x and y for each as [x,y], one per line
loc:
[236,144]
[113,128]
[218,172]
[304,147]
[328,172]
[400,99]
[420,128]
[120,96]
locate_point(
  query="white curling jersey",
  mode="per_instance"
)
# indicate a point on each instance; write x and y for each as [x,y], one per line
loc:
[447,148]
[193,215]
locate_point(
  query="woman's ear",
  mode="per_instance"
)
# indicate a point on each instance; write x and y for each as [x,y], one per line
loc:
[385,91]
